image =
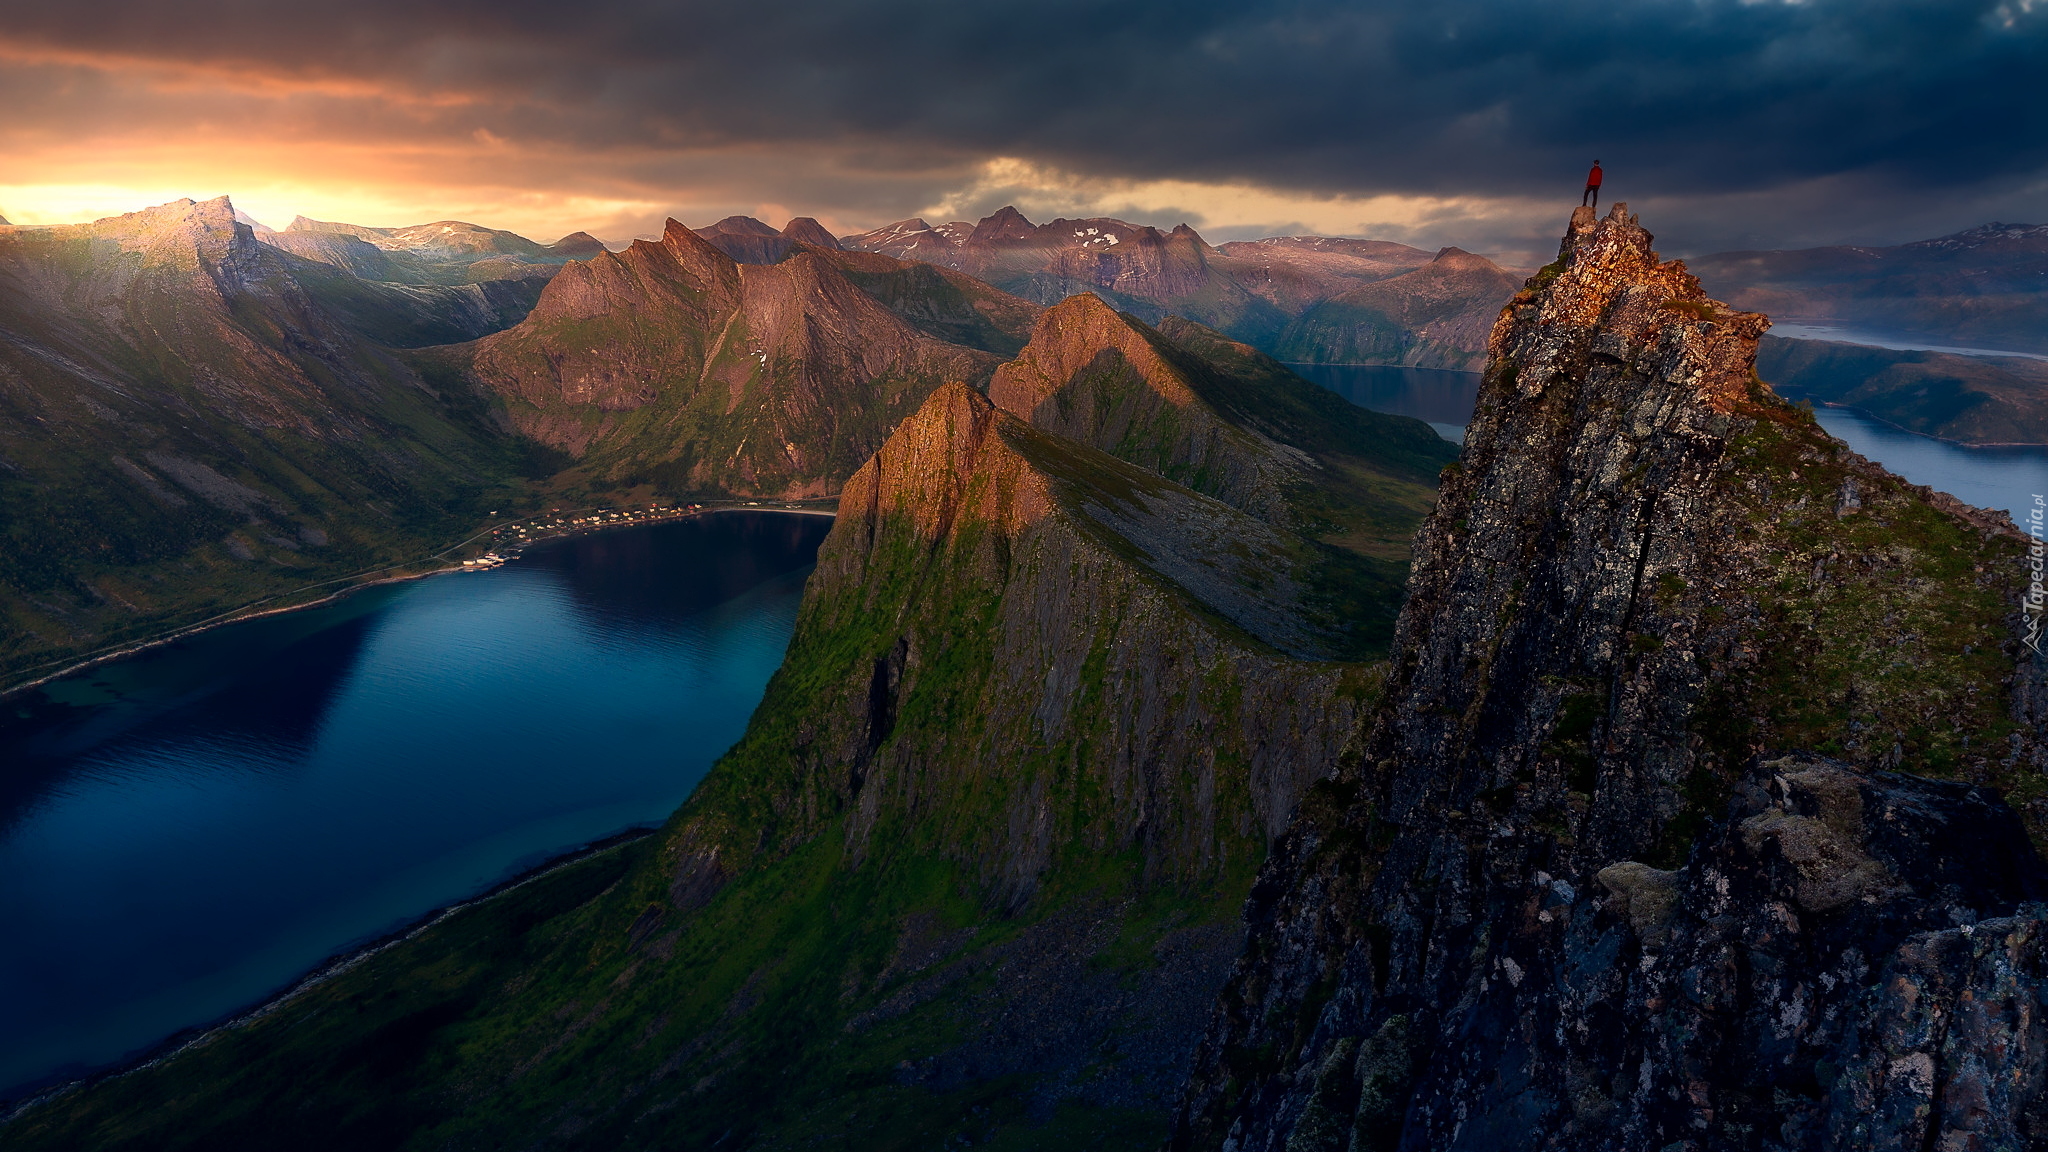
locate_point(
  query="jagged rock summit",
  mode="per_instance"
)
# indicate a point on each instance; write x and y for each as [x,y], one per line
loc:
[1588,883]
[681,363]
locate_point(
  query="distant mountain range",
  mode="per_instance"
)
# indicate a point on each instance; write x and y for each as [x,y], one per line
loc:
[1986,287]
[192,399]
[1305,298]
[1967,399]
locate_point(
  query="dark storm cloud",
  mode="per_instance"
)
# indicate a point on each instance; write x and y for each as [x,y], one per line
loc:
[1881,99]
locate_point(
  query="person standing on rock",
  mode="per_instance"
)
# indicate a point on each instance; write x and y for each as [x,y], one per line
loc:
[1592,195]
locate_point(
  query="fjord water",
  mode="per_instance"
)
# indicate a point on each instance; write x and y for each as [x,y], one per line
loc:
[1438,396]
[187,830]
[2006,478]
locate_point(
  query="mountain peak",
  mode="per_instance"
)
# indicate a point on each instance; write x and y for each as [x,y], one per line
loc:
[1069,338]
[1108,380]
[926,468]
[1007,225]
[742,226]
[1607,283]
[805,230]
[576,246]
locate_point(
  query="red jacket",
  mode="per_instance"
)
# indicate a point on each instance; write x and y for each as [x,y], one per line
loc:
[1593,177]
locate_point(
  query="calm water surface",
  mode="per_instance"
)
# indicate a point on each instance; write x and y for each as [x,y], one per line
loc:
[187,830]
[2002,478]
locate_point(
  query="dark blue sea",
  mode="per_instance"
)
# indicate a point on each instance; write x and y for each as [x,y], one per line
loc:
[187,830]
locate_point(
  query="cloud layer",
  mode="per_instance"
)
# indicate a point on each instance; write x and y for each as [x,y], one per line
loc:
[1745,123]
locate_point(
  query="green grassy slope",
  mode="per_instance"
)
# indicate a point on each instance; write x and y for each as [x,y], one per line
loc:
[972,873]
[184,428]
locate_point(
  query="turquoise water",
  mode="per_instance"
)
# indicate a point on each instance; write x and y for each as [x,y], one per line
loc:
[187,830]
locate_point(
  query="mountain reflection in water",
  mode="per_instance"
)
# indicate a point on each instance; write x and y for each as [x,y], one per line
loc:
[183,831]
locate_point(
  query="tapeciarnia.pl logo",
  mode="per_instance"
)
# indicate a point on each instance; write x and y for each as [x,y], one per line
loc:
[2037,564]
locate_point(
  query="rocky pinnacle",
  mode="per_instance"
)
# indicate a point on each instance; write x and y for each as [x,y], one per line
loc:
[1587,887]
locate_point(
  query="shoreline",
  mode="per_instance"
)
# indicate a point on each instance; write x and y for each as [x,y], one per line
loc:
[1869,415]
[247,613]
[326,970]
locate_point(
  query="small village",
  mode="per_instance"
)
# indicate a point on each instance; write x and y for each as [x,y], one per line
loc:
[513,536]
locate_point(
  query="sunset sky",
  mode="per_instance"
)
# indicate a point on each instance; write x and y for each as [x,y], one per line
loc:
[1728,124]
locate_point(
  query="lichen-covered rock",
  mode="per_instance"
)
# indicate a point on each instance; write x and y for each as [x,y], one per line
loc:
[1573,859]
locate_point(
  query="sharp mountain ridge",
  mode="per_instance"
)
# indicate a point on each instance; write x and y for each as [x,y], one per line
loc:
[672,362]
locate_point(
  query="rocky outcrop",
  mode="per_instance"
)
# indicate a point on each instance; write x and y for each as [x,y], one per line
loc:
[674,363]
[1573,893]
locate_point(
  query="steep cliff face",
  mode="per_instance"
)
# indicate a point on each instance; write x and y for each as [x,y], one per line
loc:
[186,425]
[1574,892]
[673,363]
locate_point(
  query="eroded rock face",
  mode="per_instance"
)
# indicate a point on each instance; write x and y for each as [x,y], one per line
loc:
[1574,893]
